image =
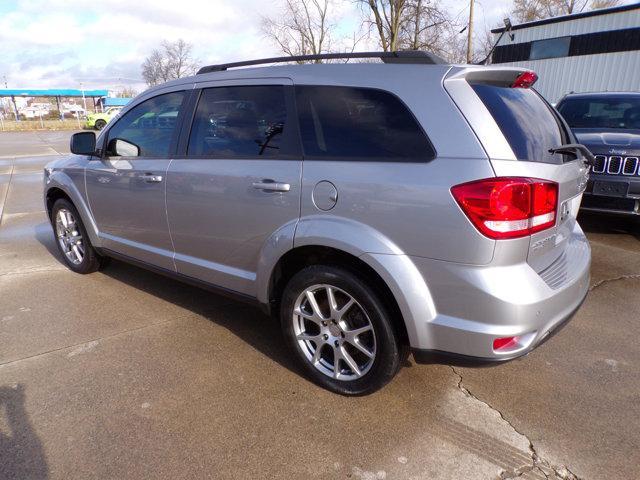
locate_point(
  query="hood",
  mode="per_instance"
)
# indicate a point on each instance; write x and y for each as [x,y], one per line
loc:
[615,142]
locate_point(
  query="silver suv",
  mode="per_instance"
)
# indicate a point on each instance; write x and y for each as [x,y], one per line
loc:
[375,208]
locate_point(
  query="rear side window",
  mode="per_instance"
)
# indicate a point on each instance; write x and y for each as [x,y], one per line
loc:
[525,119]
[345,123]
[246,121]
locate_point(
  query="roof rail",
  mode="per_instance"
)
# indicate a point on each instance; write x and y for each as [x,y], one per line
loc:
[405,56]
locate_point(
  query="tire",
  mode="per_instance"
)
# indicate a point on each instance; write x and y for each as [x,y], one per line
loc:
[304,331]
[100,124]
[72,239]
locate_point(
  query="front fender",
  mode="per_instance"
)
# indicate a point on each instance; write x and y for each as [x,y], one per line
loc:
[63,180]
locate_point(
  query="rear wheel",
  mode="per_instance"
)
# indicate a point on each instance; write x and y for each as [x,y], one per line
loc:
[339,330]
[72,239]
[100,124]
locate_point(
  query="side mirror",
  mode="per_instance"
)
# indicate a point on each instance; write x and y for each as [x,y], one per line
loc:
[122,148]
[83,143]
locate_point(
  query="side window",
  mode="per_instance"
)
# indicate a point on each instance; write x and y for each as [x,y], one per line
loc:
[345,123]
[149,126]
[247,121]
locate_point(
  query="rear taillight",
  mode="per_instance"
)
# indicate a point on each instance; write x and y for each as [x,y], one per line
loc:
[525,80]
[508,207]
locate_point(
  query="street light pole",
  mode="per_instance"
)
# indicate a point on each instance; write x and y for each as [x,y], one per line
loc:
[470,34]
[84,100]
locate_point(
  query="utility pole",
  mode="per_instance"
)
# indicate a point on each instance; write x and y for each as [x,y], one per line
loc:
[470,33]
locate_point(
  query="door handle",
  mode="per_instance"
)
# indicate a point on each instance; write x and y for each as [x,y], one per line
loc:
[150,178]
[272,186]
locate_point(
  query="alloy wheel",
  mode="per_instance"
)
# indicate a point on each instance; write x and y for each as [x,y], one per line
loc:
[69,236]
[334,332]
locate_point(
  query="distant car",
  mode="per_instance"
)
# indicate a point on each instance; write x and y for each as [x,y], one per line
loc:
[99,120]
[608,124]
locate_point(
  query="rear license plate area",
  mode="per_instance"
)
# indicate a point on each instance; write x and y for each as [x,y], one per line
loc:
[610,189]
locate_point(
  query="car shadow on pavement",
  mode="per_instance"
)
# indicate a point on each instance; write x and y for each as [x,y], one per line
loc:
[244,320]
[603,223]
[21,452]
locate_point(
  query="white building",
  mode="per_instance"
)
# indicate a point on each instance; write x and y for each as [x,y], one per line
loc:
[584,52]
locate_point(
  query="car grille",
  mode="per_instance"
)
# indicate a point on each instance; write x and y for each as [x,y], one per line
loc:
[616,165]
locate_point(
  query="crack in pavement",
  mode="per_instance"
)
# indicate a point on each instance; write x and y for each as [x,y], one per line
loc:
[630,276]
[538,464]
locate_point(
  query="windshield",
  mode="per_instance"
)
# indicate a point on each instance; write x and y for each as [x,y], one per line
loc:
[609,112]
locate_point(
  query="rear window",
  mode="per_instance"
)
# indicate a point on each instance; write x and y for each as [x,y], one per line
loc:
[525,119]
[610,112]
[346,123]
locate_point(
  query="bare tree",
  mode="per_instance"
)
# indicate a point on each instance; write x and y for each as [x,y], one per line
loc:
[414,25]
[126,92]
[529,10]
[303,28]
[171,61]
[389,18]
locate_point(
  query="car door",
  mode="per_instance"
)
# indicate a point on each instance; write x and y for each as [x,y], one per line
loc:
[126,187]
[236,182]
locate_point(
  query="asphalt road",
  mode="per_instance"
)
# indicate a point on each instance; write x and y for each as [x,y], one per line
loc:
[125,374]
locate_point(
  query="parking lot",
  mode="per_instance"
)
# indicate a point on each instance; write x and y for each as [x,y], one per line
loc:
[127,374]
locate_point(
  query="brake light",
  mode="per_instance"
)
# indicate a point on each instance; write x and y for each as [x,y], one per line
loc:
[508,207]
[525,80]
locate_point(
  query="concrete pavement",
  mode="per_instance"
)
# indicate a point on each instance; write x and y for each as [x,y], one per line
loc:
[126,374]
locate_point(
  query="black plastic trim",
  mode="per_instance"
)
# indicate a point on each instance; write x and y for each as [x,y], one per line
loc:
[408,56]
[243,297]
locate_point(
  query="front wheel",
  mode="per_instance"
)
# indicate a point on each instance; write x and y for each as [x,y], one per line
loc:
[339,330]
[72,239]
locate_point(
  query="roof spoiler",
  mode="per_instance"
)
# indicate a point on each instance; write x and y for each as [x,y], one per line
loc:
[407,56]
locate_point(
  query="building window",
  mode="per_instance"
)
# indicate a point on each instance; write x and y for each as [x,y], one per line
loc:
[551,48]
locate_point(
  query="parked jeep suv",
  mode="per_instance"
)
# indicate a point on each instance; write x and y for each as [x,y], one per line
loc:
[372,207]
[608,123]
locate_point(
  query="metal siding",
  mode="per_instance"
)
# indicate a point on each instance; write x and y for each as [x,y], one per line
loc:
[618,71]
[601,23]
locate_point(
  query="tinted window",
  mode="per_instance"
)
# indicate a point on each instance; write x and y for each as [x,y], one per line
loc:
[240,122]
[526,121]
[611,112]
[150,125]
[358,123]
[552,48]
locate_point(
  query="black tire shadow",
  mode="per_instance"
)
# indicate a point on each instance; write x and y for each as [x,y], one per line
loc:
[21,452]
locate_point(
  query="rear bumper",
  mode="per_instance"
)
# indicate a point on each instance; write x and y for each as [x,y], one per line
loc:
[424,356]
[474,305]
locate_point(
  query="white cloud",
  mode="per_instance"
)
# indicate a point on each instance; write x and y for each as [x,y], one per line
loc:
[60,43]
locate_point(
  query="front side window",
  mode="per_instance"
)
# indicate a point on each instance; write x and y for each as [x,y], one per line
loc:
[550,48]
[346,123]
[610,112]
[246,121]
[149,126]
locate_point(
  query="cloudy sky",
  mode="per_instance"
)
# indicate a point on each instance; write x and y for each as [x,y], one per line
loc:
[61,43]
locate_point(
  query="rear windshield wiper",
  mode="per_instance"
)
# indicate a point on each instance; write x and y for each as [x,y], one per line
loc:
[573,149]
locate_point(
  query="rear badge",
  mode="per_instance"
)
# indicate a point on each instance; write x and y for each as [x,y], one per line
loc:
[564,211]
